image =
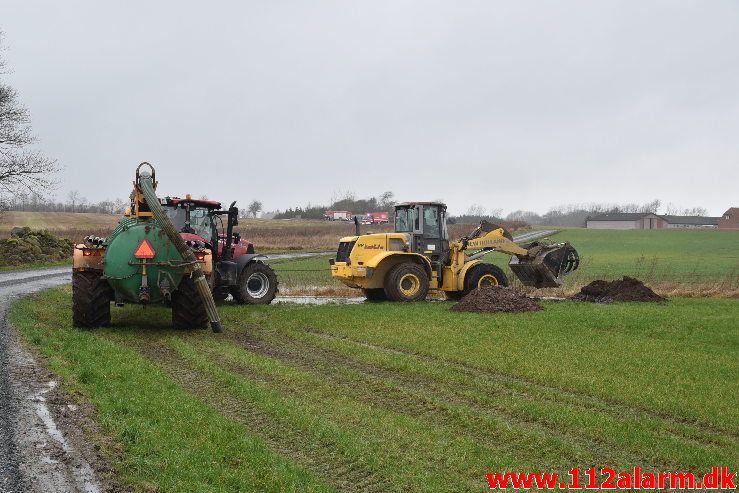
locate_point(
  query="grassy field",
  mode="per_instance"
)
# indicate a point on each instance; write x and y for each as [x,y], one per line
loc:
[59,223]
[401,397]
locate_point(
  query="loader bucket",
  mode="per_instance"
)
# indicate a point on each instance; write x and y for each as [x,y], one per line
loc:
[546,265]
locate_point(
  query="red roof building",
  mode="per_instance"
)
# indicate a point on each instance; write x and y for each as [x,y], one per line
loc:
[729,219]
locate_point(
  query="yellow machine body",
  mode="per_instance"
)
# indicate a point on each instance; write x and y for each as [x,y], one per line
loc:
[373,255]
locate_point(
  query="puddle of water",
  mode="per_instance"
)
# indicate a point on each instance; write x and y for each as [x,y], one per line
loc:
[272,256]
[85,473]
[318,300]
[43,412]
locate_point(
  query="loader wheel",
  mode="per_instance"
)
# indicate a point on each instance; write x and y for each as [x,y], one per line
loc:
[374,294]
[91,295]
[188,311]
[484,275]
[257,284]
[407,282]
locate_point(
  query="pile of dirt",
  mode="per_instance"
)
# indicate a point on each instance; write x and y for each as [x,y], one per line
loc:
[626,289]
[26,246]
[496,299]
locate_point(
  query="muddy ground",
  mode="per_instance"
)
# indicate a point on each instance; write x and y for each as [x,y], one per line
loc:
[45,434]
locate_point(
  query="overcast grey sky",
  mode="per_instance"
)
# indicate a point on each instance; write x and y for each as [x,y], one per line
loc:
[512,105]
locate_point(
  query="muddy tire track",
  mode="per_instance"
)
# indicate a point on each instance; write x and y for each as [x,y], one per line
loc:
[324,458]
[430,400]
[584,400]
[421,396]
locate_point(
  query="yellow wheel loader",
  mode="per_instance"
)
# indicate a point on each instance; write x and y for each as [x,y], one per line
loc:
[418,257]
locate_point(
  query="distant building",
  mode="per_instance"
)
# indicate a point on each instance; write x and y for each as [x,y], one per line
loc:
[648,220]
[730,219]
[626,220]
[691,222]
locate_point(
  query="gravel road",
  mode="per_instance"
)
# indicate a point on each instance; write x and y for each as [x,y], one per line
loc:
[41,443]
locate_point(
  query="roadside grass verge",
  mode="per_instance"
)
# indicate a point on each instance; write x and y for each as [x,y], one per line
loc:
[36,265]
[401,397]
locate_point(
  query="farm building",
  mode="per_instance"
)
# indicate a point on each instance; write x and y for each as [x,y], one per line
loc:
[648,220]
[691,222]
[730,219]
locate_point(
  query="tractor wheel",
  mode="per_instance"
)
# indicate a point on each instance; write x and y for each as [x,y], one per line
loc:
[407,282]
[91,295]
[374,294]
[484,275]
[257,284]
[188,311]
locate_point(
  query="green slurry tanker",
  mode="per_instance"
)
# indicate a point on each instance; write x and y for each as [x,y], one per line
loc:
[169,251]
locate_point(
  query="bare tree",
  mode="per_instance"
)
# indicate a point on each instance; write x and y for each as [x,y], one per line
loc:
[73,197]
[21,168]
[254,208]
[476,210]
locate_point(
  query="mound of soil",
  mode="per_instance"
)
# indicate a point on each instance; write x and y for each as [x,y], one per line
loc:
[26,246]
[496,299]
[626,289]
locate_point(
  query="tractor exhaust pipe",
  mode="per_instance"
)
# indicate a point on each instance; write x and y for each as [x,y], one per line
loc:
[356,226]
[146,185]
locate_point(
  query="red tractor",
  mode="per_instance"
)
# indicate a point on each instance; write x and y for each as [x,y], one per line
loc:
[237,270]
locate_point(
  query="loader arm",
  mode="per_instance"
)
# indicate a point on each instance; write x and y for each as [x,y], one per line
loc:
[493,240]
[539,264]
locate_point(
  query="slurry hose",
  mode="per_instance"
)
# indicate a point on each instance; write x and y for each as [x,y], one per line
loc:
[147,188]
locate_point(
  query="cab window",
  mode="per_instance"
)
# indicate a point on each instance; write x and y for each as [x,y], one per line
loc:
[403,221]
[201,222]
[431,221]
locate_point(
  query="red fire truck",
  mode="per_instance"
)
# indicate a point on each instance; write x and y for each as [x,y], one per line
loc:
[338,216]
[376,218]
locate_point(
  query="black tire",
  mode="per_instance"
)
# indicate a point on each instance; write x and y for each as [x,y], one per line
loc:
[188,310]
[375,294]
[91,296]
[484,275]
[407,282]
[257,284]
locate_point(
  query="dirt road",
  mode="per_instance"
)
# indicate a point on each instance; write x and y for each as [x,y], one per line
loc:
[41,445]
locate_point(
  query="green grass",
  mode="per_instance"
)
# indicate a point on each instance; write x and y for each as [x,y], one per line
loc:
[401,397]
[35,265]
[672,254]
[307,271]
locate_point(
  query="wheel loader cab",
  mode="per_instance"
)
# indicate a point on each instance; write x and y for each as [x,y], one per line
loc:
[425,223]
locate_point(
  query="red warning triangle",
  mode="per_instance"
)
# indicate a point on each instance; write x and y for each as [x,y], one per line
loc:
[144,250]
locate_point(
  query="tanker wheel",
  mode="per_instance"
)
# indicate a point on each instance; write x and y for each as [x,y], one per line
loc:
[482,275]
[257,284]
[374,294]
[91,295]
[188,311]
[407,282]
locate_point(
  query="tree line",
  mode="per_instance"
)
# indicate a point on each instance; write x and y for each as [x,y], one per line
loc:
[346,202]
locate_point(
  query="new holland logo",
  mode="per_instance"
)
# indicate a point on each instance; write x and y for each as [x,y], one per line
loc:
[490,242]
[374,247]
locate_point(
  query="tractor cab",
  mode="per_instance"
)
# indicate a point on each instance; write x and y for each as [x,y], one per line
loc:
[199,220]
[425,224]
